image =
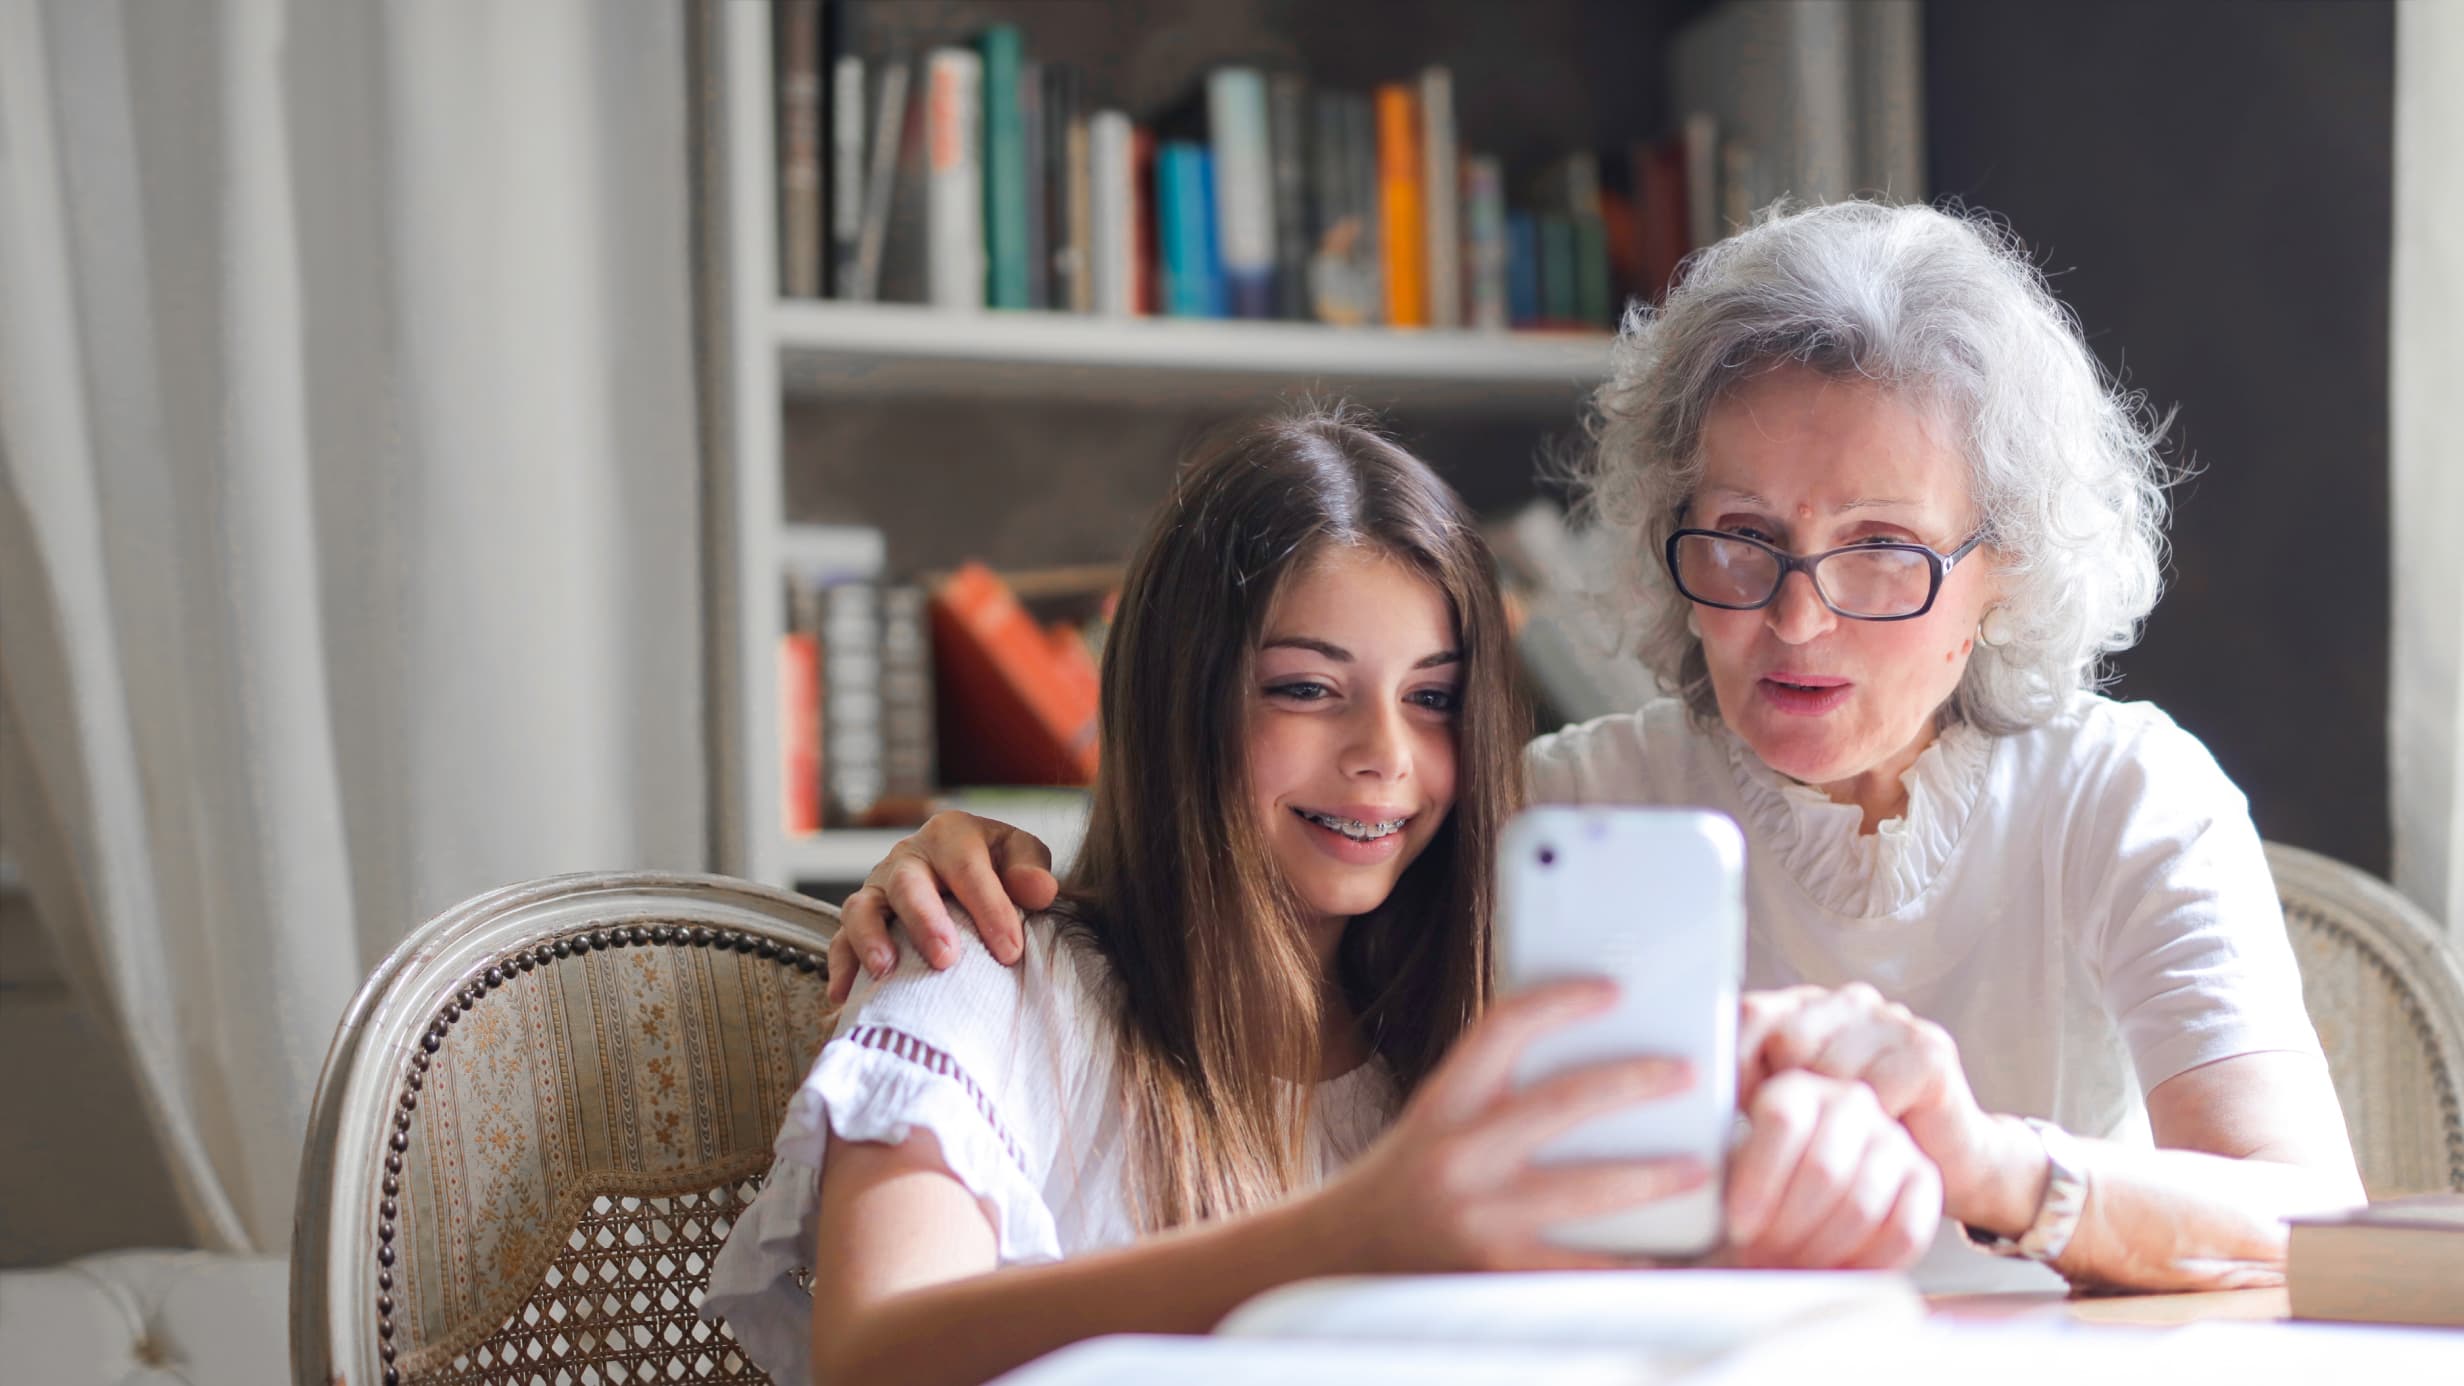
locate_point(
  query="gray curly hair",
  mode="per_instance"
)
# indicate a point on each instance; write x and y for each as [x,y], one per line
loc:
[2063,467]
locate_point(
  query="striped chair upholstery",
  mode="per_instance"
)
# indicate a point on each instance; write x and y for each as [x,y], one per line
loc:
[536,1125]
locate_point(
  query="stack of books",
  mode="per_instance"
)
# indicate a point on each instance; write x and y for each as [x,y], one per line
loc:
[889,691]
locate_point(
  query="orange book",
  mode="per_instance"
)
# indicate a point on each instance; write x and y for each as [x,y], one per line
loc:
[799,733]
[1012,709]
[1401,203]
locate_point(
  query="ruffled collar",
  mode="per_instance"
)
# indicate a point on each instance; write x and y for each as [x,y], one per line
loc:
[1865,875]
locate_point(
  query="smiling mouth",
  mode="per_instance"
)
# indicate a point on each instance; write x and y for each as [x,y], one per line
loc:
[1796,686]
[1354,828]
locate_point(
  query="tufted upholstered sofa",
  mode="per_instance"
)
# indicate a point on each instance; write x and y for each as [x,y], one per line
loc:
[145,1318]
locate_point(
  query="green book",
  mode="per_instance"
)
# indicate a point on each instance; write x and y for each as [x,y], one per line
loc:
[1558,304]
[1005,170]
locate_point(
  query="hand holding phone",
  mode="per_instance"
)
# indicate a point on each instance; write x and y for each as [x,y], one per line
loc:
[1653,900]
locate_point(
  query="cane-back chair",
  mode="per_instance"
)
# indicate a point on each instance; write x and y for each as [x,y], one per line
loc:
[2387,996]
[537,1122]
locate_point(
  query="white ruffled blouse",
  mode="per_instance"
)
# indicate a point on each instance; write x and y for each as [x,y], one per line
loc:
[2084,906]
[1014,1072]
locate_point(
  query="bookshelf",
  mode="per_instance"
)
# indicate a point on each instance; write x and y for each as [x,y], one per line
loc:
[761,351]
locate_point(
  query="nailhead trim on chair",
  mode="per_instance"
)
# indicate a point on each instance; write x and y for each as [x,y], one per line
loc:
[467,997]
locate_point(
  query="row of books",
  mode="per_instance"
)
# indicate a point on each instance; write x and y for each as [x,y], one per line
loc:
[888,690]
[978,177]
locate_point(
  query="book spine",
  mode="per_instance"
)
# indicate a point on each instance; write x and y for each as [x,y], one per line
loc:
[797,32]
[1401,223]
[1484,205]
[1368,198]
[851,702]
[1441,180]
[847,169]
[1002,51]
[1060,112]
[1522,270]
[1180,202]
[1591,291]
[908,764]
[1006,716]
[1556,269]
[1660,185]
[1146,272]
[1032,140]
[889,134]
[799,733]
[954,182]
[1244,188]
[1288,129]
[1115,249]
[1081,213]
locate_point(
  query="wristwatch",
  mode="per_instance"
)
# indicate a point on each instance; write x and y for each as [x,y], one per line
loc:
[2057,1213]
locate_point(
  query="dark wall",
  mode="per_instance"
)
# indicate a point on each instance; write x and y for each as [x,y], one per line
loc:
[2207,182]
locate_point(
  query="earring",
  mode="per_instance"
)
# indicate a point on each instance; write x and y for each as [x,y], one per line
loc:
[1995,630]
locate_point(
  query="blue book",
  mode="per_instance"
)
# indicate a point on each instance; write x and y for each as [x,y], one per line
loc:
[1522,270]
[1210,234]
[1178,221]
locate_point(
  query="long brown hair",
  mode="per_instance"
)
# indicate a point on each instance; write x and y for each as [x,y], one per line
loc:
[1219,1010]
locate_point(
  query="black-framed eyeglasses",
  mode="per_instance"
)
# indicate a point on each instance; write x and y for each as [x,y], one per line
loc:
[1863,582]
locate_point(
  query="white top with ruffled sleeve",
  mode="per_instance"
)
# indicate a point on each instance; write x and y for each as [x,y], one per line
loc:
[1014,1071]
[2084,906]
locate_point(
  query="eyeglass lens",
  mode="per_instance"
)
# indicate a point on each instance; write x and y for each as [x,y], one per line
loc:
[1856,581]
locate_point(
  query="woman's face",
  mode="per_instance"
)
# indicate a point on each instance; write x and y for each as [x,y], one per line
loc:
[1809,463]
[1351,727]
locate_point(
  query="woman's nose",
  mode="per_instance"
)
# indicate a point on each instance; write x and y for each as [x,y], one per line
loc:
[1798,614]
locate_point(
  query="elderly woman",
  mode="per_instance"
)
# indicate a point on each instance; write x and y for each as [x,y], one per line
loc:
[1885,520]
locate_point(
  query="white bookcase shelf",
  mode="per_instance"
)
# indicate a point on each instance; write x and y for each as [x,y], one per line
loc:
[830,349]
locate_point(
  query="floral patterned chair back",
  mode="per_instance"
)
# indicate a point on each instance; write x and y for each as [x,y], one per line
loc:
[2387,996]
[537,1122]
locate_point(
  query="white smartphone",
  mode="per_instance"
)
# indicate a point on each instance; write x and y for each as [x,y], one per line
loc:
[1654,900]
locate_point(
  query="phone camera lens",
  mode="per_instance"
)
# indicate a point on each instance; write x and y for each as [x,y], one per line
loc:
[1548,856]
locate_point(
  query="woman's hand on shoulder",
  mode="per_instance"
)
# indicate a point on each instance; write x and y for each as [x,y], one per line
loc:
[1909,1064]
[1826,1180]
[1454,1185]
[994,871]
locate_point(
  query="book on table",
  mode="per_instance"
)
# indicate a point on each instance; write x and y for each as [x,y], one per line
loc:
[2399,1261]
[1573,1327]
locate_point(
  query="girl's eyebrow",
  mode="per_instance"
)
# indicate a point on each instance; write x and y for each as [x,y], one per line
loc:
[1341,655]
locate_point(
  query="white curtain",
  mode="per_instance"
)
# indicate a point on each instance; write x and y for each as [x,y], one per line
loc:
[348,508]
[2426,387]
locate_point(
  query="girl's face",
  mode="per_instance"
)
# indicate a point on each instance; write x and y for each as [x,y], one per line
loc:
[1351,727]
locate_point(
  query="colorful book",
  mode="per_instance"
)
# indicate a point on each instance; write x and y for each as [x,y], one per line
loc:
[1484,243]
[892,112]
[1660,188]
[847,169]
[1288,126]
[1557,272]
[1114,252]
[1010,712]
[799,713]
[1146,272]
[1244,189]
[954,179]
[1401,201]
[1003,51]
[1080,150]
[797,34]
[1039,219]
[1441,181]
[1522,270]
[1182,226]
